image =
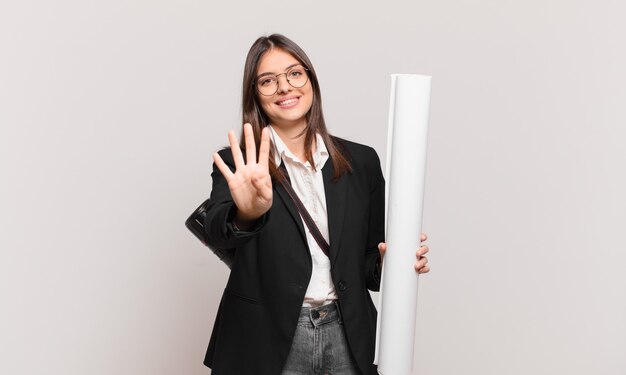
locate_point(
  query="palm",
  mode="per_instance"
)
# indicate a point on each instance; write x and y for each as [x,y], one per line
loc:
[250,185]
[251,188]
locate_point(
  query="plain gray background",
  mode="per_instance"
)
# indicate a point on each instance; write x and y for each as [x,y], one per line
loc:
[110,111]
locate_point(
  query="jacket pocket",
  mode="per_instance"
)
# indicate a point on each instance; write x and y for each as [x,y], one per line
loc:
[241,297]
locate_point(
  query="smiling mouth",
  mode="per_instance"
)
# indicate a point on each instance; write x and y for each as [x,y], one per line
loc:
[287,102]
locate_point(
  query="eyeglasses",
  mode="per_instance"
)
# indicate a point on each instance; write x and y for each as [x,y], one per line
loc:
[268,83]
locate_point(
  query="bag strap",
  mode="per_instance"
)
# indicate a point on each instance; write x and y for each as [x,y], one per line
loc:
[308,220]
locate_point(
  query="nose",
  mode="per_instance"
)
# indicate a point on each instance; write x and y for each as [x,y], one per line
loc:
[283,84]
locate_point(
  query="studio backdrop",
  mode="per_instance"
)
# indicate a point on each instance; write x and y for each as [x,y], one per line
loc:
[110,112]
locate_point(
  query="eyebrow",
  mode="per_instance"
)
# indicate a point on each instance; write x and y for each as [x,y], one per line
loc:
[270,74]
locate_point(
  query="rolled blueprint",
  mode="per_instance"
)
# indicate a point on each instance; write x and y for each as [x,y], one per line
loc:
[406,167]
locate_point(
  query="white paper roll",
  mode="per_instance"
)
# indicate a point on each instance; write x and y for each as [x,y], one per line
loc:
[406,167]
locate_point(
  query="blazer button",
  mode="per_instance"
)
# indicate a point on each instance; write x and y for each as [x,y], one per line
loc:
[342,286]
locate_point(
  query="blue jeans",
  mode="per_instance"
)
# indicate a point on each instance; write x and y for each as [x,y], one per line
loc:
[319,346]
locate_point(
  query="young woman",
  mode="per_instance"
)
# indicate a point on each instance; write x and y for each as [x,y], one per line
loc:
[297,299]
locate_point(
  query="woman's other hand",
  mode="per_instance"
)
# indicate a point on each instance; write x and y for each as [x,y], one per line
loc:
[421,262]
[251,184]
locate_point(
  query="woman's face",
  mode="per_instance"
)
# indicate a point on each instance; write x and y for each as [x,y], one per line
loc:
[287,108]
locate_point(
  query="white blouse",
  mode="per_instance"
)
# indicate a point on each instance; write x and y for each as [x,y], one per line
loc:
[309,185]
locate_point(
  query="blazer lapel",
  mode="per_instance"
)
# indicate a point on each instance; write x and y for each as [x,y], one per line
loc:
[291,207]
[336,194]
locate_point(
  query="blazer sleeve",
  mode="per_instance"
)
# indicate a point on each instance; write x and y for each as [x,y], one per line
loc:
[219,231]
[376,227]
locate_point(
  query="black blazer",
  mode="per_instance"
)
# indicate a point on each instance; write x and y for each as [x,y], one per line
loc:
[259,310]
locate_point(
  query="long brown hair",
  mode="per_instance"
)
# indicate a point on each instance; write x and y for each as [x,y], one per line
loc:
[253,113]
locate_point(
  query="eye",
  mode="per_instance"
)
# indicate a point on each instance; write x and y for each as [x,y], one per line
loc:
[295,73]
[266,81]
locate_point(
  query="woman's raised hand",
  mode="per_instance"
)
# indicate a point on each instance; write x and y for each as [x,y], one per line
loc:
[251,184]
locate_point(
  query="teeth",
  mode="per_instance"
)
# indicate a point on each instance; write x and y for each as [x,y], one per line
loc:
[288,101]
